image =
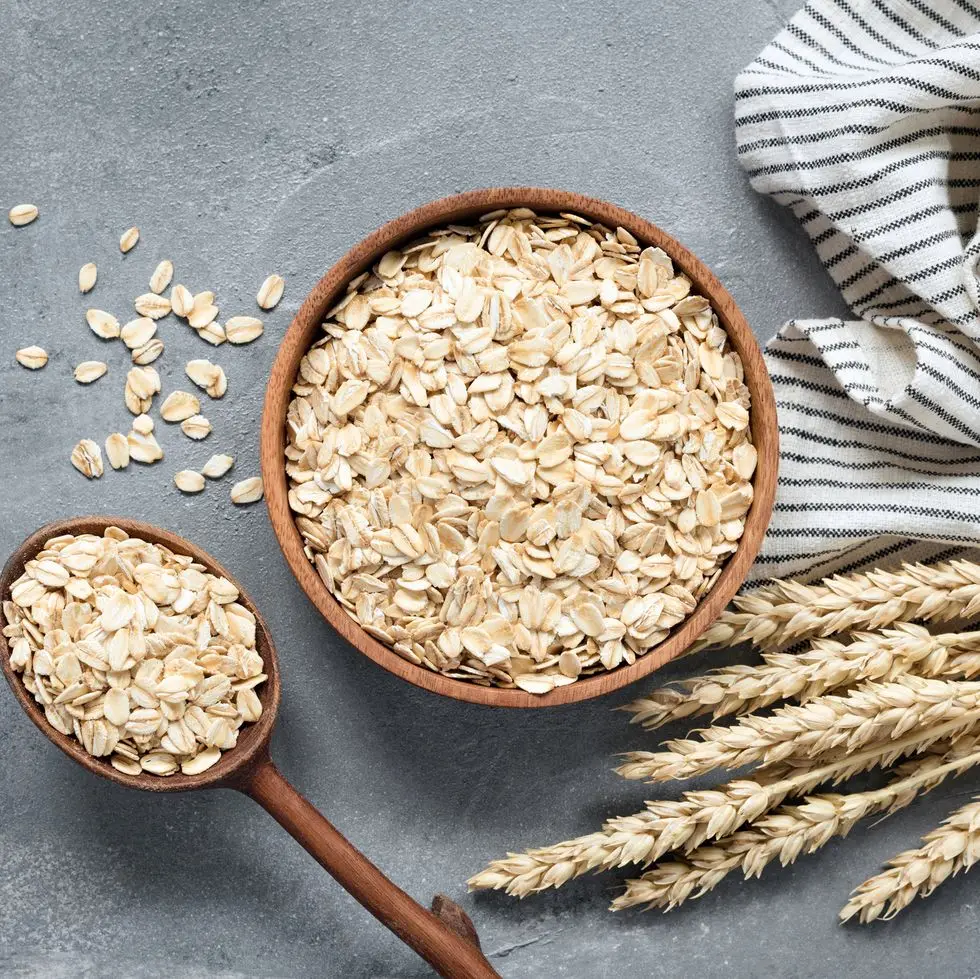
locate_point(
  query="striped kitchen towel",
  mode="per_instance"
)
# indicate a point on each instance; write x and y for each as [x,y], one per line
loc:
[863,118]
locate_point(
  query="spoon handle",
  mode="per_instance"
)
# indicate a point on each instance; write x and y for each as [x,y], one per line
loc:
[447,939]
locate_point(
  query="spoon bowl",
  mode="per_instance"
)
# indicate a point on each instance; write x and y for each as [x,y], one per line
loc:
[444,936]
[253,739]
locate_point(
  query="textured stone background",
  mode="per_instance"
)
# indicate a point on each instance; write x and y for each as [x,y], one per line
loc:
[254,136]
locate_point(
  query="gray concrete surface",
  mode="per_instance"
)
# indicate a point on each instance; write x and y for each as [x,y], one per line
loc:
[256,136]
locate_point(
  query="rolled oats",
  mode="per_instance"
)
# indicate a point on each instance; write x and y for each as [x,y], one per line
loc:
[270,292]
[217,466]
[22,214]
[196,427]
[128,239]
[152,305]
[90,370]
[87,275]
[189,481]
[102,324]
[161,277]
[247,490]
[138,332]
[33,358]
[179,405]
[181,301]
[86,457]
[153,665]
[243,329]
[117,450]
[520,453]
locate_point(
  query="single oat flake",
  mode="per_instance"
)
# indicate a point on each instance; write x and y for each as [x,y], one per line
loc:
[148,352]
[86,457]
[188,481]
[217,466]
[247,491]
[89,370]
[243,329]
[127,241]
[152,305]
[179,405]
[102,324]
[181,301]
[520,452]
[196,427]
[22,214]
[210,377]
[161,277]
[143,447]
[138,332]
[33,358]
[117,450]
[87,275]
[270,292]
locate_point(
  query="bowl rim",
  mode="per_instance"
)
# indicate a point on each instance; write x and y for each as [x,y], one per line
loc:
[462,207]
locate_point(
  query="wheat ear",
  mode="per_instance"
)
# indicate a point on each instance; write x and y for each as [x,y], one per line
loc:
[953,846]
[685,824]
[872,712]
[827,665]
[790,831]
[785,612]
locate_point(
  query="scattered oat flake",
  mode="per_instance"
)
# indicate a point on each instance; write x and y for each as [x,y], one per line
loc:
[117,450]
[181,300]
[87,275]
[189,481]
[90,370]
[138,332]
[247,491]
[196,427]
[127,242]
[243,329]
[161,277]
[103,324]
[152,305]
[144,448]
[33,358]
[202,313]
[217,466]
[214,333]
[178,406]
[210,377]
[143,424]
[149,352]
[22,214]
[86,457]
[270,292]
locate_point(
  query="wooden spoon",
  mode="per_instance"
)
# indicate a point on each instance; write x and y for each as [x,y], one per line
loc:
[444,937]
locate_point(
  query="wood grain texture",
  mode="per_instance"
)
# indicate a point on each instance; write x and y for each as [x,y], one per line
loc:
[450,946]
[305,330]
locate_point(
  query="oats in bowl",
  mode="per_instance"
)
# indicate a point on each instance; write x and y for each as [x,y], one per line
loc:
[521,451]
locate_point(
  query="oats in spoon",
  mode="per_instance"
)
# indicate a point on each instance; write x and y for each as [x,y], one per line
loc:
[141,654]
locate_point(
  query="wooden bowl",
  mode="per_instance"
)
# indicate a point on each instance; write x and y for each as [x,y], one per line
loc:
[462,208]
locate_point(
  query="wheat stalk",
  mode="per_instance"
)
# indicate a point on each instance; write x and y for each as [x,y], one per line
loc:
[785,612]
[826,665]
[953,846]
[679,825]
[873,712]
[791,831]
